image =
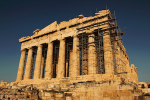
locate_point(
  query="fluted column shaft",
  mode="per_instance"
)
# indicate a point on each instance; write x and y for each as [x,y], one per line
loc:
[49,59]
[71,64]
[108,55]
[91,56]
[61,59]
[75,58]
[21,66]
[117,58]
[38,63]
[42,68]
[28,64]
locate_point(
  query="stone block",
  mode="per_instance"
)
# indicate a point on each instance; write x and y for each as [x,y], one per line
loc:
[47,94]
[59,95]
[107,94]
[106,98]
[68,98]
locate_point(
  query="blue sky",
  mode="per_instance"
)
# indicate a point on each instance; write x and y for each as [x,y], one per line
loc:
[20,18]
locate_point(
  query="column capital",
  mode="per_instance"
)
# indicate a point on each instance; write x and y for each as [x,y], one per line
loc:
[91,35]
[29,48]
[75,36]
[62,39]
[106,33]
[40,45]
[51,42]
[24,49]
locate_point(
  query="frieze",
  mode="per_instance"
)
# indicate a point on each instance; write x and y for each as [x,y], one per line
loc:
[64,24]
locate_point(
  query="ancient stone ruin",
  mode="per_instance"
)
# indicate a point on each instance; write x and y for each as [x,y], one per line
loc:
[84,47]
[80,59]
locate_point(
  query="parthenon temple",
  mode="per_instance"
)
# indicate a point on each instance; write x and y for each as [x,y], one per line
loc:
[78,50]
[80,59]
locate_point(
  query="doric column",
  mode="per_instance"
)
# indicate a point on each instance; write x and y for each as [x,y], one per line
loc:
[61,59]
[75,58]
[21,66]
[91,56]
[38,63]
[49,59]
[28,64]
[42,68]
[117,52]
[127,64]
[70,64]
[108,55]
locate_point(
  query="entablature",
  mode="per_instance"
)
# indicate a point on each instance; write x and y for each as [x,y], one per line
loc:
[69,25]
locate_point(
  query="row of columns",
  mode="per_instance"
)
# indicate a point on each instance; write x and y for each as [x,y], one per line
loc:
[61,60]
[49,59]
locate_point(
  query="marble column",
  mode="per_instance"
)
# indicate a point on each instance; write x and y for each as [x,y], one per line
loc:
[91,56]
[21,66]
[117,69]
[127,64]
[108,55]
[75,57]
[49,59]
[61,59]
[28,64]
[38,63]
[42,68]
[70,63]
